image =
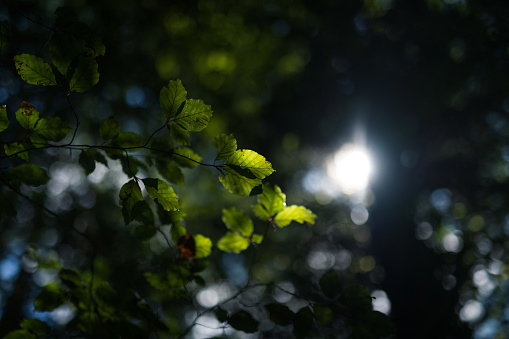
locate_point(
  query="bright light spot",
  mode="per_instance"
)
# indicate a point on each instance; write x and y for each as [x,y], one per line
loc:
[424,230]
[359,215]
[211,296]
[452,243]
[282,293]
[381,303]
[62,314]
[343,260]
[472,311]
[350,168]
[320,260]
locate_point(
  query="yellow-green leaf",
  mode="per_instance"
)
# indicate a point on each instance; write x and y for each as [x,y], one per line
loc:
[238,221]
[195,115]
[203,246]
[233,242]
[17,149]
[161,193]
[226,145]
[236,183]
[172,97]
[252,161]
[270,202]
[27,115]
[34,70]
[4,121]
[296,213]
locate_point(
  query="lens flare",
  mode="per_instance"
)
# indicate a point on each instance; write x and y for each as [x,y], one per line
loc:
[350,168]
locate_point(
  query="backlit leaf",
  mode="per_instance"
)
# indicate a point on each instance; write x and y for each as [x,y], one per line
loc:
[243,321]
[179,135]
[203,246]
[157,280]
[48,300]
[257,238]
[232,242]
[34,70]
[236,183]
[85,76]
[171,98]
[128,140]
[251,161]
[238,221]
[161,193]
[28,174]
[130,194]
[194,117]
[185,157]
[270,202]
[226,145]
[296,213]
[109,128]
[27,115]
[51,129]
[4,121]
[16,148]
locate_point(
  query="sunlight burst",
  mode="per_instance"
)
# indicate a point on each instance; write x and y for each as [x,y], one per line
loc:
[350,168]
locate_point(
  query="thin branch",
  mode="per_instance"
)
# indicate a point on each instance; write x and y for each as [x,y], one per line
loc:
[28,18]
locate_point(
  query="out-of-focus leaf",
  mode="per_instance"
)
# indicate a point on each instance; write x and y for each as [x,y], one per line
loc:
[257,238]
[169,171]
[172,97]
[34,70]
[238,221]
[4,121]
[380,324]
[252,161]
[296,213]
[109,128]
[142,212]
[27,115]
[357,298]
[35,326]
[157,280]
[330,284]
[323,315]
[237,184]
[161,193]
[177,231]
[221,315]
[128,140]
[203,246]
[270,202]
[28,174]
[171,217]
[194,117]
[50,129]
[16,148]
[48,300]
[88,158]
[130,194]
[20,334]
[243,321]
[232,242]
[226,145]
[4,34]
[143,232]
[85,76]
[280,314]
[185,157]
[70,278]
[303,323]
[131,165]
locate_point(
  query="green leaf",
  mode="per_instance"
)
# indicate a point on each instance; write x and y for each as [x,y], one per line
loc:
[130,194]
[179,135]
[323,315]
[185,157]
[16,148]
[88,159]
[4,34]
[330,284]
[357,298]
[109,128]
[50,129]
[236,183]
[172,97]
[177,231]
[28,174]
[161,193]
[270,202]
[195,116]
[238,221]
[85,76]
[20,334]
[131,165]
[252,161]
[70,278]
[141,211]
[173,217]
[4,121]
[27,115]
[232,242]
[296,213]
[48,300]
[303,323]
[257,238]
[169,171]
[35,326]
[280,314]
[203,246]
[34,70]
[129,141]
[226,145]
[243,321]
[157,280]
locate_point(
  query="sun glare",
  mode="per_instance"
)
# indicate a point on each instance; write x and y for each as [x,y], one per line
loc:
[350,168]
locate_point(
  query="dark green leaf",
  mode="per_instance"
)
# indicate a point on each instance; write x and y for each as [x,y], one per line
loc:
[142,212]
[296,213]
[88,159]
[85,76]
[162,194]
[131,165]
[330,284]
[243,321]
[356,298]
[169,171]
[226,145]
[109,128]
[179,134]
[27,115]
[34,70]
[35,326]
[221,315]
[280,314]
[4,121]
[303,323]
[16,148]
[177,231]
[28,174]
[157,280]
[380,324]
[232,242]
[238,221]
[172,97]
[130,194]
[20,334]
[50,129]
[270,202]
[48,300]
[185,157]
[70,278]
[323,315]
[4,34]
[143,232]
[129,141]
[167,218]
